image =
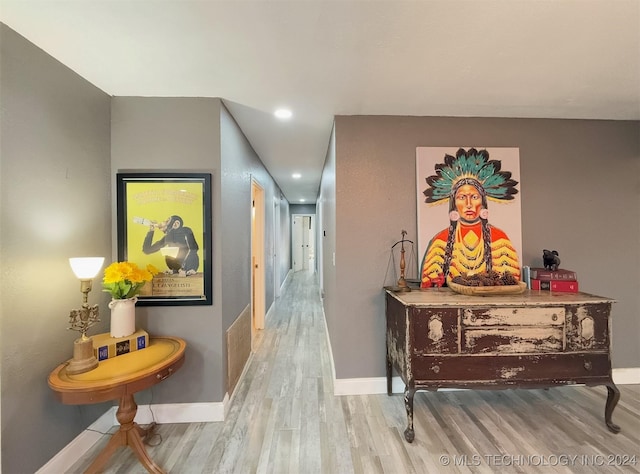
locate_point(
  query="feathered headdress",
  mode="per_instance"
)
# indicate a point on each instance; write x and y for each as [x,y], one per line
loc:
[474,164]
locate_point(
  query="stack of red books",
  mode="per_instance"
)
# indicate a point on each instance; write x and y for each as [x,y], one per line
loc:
[554,280]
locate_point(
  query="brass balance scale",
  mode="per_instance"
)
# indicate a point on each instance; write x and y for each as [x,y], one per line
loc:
[402,285]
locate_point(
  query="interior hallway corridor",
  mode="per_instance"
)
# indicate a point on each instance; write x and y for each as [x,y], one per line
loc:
[284,418]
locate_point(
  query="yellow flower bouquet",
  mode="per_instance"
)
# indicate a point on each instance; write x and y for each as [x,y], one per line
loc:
[124,280]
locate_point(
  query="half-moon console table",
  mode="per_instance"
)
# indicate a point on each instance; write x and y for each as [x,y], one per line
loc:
[119,378]
[538,339]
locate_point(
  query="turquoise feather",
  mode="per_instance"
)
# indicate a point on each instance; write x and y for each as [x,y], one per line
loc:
[472,163]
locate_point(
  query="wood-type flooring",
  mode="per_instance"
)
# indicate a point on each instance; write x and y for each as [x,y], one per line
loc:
[284,418]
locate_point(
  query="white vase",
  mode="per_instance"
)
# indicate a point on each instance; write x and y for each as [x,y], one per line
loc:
[123,317]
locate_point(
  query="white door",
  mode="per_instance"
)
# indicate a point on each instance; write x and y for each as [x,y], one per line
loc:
[303,242]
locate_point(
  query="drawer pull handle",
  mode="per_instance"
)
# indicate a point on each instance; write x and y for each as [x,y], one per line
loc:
[554,317]
[588,365]
[436,369]
[161,377]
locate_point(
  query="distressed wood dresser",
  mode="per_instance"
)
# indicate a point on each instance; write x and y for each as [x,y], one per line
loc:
[440,339]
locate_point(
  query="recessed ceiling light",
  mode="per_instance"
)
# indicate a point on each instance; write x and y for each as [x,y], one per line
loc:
[283,114]
[302,200]
[296,176]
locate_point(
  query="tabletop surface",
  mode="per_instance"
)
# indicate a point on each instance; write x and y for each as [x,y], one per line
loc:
[161,353]
[432,297]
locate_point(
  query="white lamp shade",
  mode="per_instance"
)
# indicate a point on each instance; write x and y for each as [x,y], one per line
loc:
[86,268]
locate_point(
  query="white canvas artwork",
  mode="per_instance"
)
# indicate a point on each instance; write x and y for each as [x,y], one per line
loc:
[468,211]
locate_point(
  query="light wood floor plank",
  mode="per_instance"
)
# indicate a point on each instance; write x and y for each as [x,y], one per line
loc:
[283,418]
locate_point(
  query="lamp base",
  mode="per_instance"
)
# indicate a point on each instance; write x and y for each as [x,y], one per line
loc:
[83,358]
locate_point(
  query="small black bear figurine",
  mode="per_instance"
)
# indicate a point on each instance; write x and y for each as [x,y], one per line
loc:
[550,259]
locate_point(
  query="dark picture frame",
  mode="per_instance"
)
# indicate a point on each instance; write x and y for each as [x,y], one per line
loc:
[164,220]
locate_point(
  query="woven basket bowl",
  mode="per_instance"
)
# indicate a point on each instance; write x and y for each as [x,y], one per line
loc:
[488,290]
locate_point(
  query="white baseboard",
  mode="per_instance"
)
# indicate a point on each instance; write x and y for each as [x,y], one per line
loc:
[62,461]
[378,385]
[180,413]
[287,279]
[331,360]
[366,386]
[267,316]
[626,376]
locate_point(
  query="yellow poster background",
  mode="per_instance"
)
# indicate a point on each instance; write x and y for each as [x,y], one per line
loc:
[157,202]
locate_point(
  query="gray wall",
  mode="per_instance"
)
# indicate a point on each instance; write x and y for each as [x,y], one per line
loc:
[241,164]
[580,184]
[302,208]
[326,208]
[177,134]
[63,141]
[199,135]
[55,203]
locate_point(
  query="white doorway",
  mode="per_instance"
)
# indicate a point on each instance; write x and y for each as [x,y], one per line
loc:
[303,242]
[257,259]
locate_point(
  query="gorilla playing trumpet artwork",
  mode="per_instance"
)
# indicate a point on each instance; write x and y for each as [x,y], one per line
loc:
[165,220]
[177,244]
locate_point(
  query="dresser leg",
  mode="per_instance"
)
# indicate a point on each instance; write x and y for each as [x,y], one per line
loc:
[409,434]
[612,400]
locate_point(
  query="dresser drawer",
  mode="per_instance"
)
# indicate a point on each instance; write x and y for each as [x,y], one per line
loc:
[588,327]
[434,331]
[512,340]
[526,370]
[517,316]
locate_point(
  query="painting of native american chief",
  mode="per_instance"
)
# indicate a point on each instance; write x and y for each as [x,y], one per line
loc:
[469,217]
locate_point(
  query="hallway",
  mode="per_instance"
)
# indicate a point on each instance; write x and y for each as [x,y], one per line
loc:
[284,418]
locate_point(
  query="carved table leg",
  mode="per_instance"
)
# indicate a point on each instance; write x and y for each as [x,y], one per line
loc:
[117,440]
[145,432]
[130,434]
[612,400]
[136,444]
[409,434]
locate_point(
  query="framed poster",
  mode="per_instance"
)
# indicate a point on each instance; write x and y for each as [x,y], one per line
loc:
[468,211]
[164,219]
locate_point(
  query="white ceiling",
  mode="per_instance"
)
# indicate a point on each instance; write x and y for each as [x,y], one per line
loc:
[489,58]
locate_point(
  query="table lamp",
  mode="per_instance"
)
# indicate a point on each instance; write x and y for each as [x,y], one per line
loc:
[85,269]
